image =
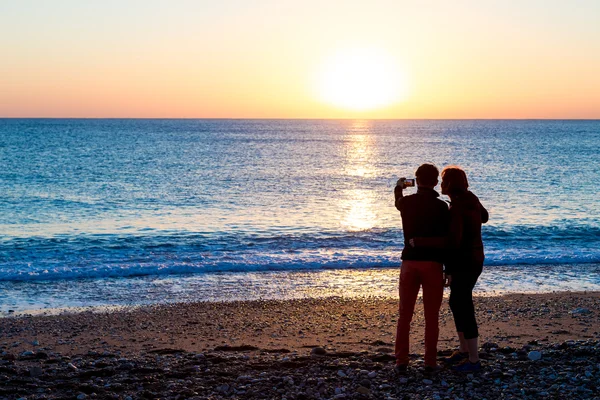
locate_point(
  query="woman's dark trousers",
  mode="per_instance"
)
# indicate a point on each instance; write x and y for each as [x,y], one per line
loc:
[464,279]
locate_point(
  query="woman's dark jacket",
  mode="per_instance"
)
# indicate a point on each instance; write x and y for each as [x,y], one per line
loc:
[464,236]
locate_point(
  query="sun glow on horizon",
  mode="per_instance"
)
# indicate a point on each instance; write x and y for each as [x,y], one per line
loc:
[261,59]
[361,79]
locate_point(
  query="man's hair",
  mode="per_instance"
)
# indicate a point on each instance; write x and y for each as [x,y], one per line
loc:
[427,174]
[455,178]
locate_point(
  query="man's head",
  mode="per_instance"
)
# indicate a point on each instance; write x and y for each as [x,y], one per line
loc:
[427,176]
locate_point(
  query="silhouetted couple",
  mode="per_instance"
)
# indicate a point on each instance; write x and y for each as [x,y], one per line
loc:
[442,247]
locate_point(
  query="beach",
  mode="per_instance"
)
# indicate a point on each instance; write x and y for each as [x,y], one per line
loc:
[216,200]
[259,259]
[306,348]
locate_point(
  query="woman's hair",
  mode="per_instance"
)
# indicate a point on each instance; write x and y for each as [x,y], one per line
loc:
[455,179]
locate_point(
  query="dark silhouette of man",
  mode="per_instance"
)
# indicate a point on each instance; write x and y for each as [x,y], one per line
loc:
[423,215]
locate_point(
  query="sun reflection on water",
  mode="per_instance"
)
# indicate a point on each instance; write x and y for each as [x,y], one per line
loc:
[358,149]
[359,204]
[360,214]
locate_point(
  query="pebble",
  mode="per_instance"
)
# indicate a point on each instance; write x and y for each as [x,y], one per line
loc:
[363,390]
[534,355]
[581,310]
[223,388]
[384,350]
[318,351]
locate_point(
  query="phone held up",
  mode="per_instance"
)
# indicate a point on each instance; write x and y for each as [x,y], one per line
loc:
[406,182]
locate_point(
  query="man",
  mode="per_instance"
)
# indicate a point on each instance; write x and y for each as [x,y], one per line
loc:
[423,215]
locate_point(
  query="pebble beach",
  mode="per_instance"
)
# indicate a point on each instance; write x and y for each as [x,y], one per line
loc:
[532,346]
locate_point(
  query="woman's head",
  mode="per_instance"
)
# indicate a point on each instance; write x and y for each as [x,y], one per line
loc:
[454,180]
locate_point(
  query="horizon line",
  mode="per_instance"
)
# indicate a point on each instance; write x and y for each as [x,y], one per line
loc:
[314,119]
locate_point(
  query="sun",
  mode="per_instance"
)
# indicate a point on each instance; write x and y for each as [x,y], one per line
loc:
[361,79]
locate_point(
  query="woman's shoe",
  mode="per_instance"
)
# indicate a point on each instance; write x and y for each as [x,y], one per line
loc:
[467,366]
[455,358]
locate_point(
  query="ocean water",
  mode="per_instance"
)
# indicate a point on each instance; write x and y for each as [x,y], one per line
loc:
[97,212]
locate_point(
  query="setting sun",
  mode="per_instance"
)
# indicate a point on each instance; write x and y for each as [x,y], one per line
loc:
[361,79]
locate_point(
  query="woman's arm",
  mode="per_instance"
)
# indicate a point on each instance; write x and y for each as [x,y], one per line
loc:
[435,242]
[455,230]
[485,216]
[455,234]
[440,242]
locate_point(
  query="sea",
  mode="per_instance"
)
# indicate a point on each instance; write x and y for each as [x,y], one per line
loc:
[125,212]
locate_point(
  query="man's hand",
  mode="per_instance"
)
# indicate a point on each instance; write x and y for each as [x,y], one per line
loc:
[398,190]
[447,280]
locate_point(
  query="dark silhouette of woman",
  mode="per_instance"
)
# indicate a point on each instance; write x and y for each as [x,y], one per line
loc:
[464,263]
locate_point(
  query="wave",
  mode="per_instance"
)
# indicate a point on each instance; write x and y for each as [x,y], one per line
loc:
[170,253]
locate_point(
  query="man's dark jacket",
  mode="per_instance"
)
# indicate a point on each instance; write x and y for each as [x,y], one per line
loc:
[423,215]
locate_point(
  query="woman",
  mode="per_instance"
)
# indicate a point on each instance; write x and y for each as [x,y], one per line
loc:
[464,264]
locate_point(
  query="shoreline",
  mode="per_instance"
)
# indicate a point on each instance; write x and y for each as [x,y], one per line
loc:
[283,348]
[35,297]
[128,308]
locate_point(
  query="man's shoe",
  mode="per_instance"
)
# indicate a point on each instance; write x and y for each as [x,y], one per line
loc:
[431,371]
[467,366]
[401,369]
[455,358]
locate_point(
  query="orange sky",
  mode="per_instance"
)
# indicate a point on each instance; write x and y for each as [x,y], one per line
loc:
[265,58]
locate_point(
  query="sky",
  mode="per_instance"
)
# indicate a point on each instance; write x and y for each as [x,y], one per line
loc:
[300,59]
